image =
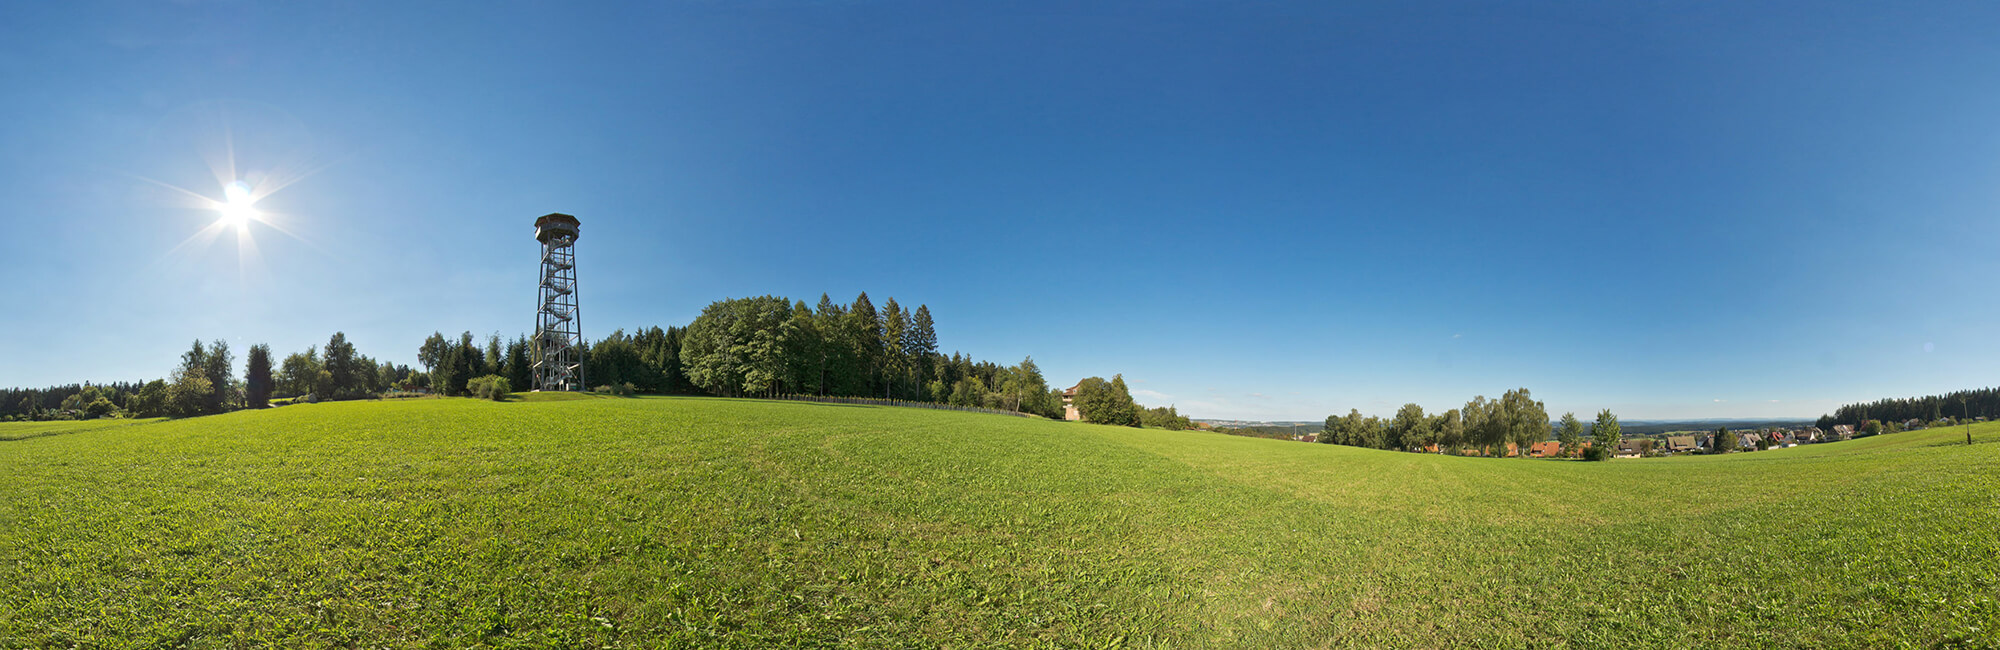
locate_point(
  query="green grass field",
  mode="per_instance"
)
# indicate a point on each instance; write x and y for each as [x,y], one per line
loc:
[681,522]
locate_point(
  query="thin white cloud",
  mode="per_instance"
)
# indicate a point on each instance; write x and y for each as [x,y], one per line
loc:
[1152,395]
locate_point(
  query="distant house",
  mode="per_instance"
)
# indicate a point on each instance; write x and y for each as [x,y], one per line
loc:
[1545,449]
[1809,434]
[1310,437]
[1748,441]
[1681,444]
[1630,448]
[1069,404]
[1913,425]
[1843,432]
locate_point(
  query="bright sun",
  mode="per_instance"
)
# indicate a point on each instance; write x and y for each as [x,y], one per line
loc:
[237,208]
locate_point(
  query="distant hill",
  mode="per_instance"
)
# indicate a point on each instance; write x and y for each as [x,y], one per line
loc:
[1261,423]
[1630,427]
[1266,429]
[1655,427]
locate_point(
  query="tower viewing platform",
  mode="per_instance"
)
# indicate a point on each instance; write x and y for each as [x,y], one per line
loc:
[554,225]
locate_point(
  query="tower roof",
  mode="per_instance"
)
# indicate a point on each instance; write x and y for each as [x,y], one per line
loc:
[554,224]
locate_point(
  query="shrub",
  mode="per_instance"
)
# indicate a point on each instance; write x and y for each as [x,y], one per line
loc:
[1596,452]
[99,408]
[493,387]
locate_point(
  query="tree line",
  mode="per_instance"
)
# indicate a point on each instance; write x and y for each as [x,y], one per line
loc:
[1110,402]
[1488,427]
[333,372]
[737,347]
[1976,403]
[769,345]
[1271,432]
[204,383]
[50,403]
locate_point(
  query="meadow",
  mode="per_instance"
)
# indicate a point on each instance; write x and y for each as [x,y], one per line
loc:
[688,522]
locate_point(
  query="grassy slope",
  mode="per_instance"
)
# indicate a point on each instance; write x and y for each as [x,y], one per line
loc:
[697,522]
[25,430]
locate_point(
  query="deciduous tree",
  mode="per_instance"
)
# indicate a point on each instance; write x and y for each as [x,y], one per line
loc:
[1409,429]
[219,369]
[1106,402]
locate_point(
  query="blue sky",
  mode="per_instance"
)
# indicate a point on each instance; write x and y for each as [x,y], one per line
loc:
[1251,210]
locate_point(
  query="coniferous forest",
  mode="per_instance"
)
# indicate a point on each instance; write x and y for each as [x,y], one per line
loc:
[1976,403]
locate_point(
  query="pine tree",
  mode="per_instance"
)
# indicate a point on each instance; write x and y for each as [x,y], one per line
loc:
[923,341]
[1606,433]
[343,367]
[519,373]
[1570,434]
[257,382]
[866,328]
[895,326]
[495,363]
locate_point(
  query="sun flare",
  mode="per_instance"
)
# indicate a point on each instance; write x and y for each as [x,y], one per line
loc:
[238,206]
